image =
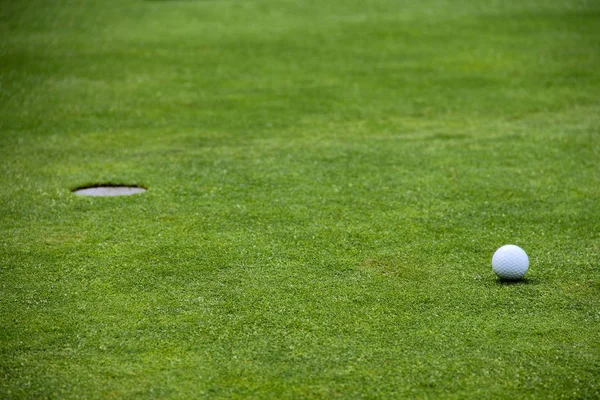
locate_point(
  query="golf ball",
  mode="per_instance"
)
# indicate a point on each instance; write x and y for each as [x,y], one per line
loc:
[510,262]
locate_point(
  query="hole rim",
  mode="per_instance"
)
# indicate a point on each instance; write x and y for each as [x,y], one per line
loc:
[108,185]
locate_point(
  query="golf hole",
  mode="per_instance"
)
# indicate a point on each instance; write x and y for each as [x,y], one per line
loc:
[108,190]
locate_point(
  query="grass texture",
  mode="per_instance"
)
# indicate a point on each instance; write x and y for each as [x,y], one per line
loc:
[327,182]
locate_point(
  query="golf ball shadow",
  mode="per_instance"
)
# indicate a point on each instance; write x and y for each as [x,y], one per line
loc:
[515,282]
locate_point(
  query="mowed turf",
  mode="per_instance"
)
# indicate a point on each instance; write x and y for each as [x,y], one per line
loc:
[327,183]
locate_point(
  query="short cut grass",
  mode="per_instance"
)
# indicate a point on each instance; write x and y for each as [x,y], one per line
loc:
[327,182]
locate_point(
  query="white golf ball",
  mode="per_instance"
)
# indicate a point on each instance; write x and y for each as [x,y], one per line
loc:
[510,262]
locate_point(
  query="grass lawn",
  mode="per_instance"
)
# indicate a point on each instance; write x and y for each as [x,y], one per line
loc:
[327,183]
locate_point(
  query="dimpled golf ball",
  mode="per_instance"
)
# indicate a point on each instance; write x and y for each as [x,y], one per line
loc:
[510,262]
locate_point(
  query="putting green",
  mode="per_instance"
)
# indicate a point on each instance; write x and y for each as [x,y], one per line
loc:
[328,181]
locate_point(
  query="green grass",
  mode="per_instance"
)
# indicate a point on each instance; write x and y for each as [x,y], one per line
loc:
[328,181]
